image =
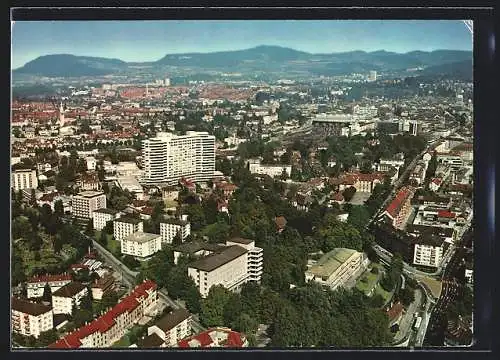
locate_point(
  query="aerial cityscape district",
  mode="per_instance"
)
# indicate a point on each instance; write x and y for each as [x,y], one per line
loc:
[265,196]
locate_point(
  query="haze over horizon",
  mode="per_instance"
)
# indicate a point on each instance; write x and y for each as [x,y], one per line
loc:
[144,41]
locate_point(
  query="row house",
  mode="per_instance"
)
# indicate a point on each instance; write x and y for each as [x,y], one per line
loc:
[114,323]
[399,208]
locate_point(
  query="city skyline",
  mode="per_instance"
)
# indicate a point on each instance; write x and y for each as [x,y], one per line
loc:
[154,39]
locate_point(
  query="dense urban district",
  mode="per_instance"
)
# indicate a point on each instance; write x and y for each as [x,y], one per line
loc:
[329,212]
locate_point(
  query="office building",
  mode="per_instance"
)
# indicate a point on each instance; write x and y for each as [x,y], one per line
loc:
[167,158]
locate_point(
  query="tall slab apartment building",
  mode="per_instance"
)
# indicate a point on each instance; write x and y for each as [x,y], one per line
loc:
[167,158]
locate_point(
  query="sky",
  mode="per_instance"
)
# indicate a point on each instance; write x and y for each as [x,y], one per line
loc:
[151,40]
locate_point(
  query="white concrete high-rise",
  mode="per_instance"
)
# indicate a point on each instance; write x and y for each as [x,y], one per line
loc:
[167,158]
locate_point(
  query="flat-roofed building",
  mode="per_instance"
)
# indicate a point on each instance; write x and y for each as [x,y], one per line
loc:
[35,286]
[29,318]
[169,228]
[24,179]
[336,268]
[228,267]
[85,203]
[126,225]
[102,216]
[141,244]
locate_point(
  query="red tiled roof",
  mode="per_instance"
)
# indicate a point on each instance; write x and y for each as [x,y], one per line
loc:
[397,202]
[338,197]
[107,320]
[280,221]
[394,312]
[49,278]
[437,181]
[446,214]
[234,339]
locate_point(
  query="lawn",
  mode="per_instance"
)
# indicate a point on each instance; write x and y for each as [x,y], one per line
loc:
[113,246]
[366,282]
[124,342]
[385,294]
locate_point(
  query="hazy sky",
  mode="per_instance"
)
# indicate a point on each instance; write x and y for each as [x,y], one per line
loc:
[151,40]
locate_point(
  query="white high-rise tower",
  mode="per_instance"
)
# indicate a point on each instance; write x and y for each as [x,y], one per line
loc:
[167,158]
[61,115]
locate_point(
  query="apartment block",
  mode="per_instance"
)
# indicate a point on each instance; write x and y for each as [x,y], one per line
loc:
[255,167]
[67,296]
[112,325]
[169,330]
[36,285]
[167,158]
[399,209]
[141,244]
[126,225]
[30,319]
[169,228]
[101,217]
[23,179]
[85,203]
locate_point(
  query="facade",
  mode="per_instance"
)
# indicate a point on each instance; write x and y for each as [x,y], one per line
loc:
[215,337]
[255,258]
[167,158]
[36,285]
[170,227]
[102,216]
[428,251]
[67,296]
[24,179]
[255,167]
[112,325]
[336,267]
[399,209]
[170,329]
[361,182]
[141,244]
[30,319]
[125,225]
[89,182]
[86,202]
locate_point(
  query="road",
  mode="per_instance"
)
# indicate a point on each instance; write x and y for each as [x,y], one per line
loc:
[129,278]
[407,321]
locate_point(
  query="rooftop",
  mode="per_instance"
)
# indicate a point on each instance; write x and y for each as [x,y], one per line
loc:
[192,247]
[175,221]
[106,211]
[151,341]
[28,307]
[213,261]
[90,194]
[241,240]
[173,319]
[69,290]
[331,261]
[141,237]
[221,337]
[129,220]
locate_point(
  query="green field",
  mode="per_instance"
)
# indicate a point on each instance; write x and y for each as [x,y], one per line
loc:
[112,245]
[385,294]
[366,282]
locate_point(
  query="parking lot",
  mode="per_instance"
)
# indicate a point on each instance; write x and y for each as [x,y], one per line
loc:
[359,198]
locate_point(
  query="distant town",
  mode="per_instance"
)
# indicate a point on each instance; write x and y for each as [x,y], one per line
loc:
[320,211]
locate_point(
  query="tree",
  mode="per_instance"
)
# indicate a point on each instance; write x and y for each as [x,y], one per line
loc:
[103,239]
[349,193]
[108,229]
[212,307]
[58,208]
[47,293]
[89,229]
[109,299]
[33,201]
[86,302]
[131,262]
[46,338]
[406,296]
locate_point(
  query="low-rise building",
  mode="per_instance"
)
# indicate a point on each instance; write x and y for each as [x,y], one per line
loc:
[169,228]
[68,296]
[112,325]
[126,225]
[89,182]
[169,330]
[336,268]
[215,337]
[85,203]
[35,286]
[102,216]
[255,167]
[140,244]
[102,285]
[30,319]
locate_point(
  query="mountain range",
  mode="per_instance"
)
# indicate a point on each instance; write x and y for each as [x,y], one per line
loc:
[261,58]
